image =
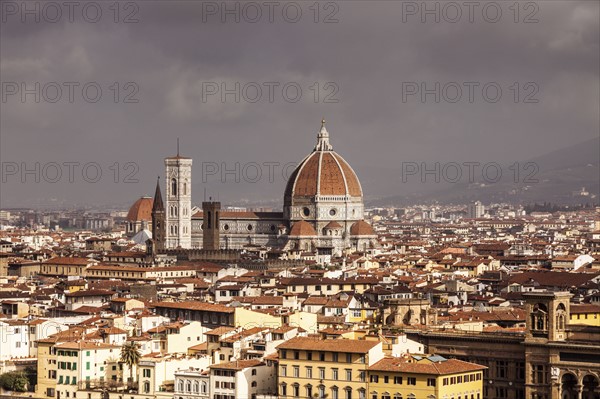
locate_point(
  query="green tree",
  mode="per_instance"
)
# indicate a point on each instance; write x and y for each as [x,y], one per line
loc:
[14,381]
[131,355]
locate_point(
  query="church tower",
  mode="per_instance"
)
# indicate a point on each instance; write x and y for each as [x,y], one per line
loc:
[158,219]
[178,202]
[211,230]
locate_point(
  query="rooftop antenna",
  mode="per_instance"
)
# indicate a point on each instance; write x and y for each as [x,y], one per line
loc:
[177,146]
[204,194]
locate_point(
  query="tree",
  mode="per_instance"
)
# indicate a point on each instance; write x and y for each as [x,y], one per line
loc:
[131,355]
[14,381]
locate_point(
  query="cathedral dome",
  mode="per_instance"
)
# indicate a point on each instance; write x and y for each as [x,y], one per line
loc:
[322,173]
[141,210]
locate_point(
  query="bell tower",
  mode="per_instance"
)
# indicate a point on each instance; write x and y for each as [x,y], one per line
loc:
[211,236]
[547,314]
[178,210]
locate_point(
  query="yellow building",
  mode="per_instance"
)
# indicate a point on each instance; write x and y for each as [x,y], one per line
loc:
[425,377]
[47,365]
[588,314]
[311,367]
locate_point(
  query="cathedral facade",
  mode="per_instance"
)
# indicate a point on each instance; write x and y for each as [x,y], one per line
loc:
[323,210]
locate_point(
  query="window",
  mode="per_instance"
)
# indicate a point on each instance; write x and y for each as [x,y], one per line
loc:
[321,373]
[284,371]
[348,357]
[284,354]
[296,371]
[309,391]
[309,372]
[361,376]
[397,380]
[334,374]
[308,355]
[520,371]
[374,378]
[296,355]
[334,357]
[335,393]
[348,375]
[411,380]
[501,369]
[538,374]
[431,382]
[322,356]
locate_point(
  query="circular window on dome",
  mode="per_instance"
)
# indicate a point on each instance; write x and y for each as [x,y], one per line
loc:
[249,227]
[333,212]
[226,227]
[305,211]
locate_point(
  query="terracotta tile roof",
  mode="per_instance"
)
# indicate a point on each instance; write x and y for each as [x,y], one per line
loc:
[141,210]
[237,365]
[193,305]
[361,228]
[302,228]
[401,365]
[329,345]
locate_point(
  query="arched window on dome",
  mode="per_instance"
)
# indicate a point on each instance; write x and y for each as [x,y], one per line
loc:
[173,187]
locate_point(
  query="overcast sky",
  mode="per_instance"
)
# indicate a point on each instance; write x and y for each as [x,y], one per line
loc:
[367,58]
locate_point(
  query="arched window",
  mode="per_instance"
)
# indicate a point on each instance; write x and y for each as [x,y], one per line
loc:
[253,371]
[173,187]
[253,384]
[180,385]
[184,188]
[188,386]
[203,388]
[196,387]
[539,317]
[146,387]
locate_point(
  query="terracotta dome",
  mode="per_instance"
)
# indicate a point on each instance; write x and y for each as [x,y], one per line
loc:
[302,228]
[141,210]
[361,228]
[322,173]
[333,225]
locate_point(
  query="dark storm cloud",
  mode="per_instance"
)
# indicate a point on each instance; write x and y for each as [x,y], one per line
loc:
[175,49]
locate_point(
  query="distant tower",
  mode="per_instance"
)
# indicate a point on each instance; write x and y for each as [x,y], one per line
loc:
[475,210]
[158,219]
[210,228]
[179,201]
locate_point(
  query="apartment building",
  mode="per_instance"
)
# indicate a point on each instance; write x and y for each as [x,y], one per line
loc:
[337,367]
[429,377]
